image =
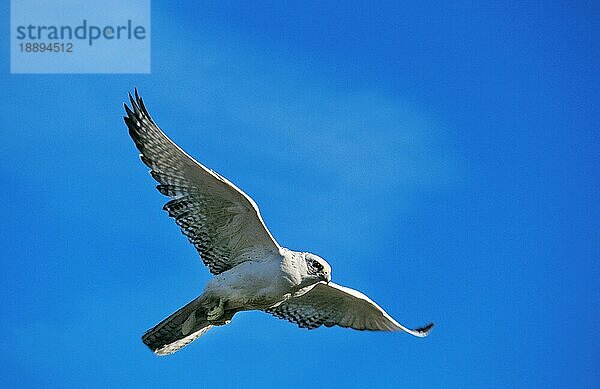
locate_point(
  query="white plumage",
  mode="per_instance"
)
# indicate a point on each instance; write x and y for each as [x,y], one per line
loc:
[251,270]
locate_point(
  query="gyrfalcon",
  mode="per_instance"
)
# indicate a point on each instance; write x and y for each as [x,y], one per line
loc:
[251,270]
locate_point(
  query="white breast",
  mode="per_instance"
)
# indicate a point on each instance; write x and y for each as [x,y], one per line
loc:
[255,284]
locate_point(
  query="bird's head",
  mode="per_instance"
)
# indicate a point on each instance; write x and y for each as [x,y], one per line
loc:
[317,267]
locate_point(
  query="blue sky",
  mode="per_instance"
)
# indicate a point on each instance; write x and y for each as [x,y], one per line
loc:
[442,157]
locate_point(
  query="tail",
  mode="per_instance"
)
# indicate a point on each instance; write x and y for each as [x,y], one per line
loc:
[178,330]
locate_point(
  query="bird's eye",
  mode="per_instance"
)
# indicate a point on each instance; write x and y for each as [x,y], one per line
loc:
[317,266]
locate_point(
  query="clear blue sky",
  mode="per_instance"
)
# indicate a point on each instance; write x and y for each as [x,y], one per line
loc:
[443,158]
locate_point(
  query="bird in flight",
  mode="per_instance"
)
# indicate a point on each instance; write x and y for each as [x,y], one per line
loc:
[251,270]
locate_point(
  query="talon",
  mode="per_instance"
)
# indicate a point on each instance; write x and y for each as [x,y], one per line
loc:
[216,312]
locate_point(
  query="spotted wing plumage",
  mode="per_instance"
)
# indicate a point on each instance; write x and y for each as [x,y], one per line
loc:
[331,304]
[221,221]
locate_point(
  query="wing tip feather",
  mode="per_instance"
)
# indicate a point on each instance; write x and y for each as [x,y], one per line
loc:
[423,331]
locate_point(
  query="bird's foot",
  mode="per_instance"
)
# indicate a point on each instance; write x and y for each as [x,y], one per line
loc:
[216,312]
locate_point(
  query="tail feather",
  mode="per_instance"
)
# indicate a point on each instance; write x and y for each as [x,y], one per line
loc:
[179,344]
[178,330]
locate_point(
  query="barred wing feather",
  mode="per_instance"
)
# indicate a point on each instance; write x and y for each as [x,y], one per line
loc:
[221,221]
[330,304]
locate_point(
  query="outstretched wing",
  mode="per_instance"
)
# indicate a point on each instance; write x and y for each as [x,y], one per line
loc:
[218,218]
[331,304]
